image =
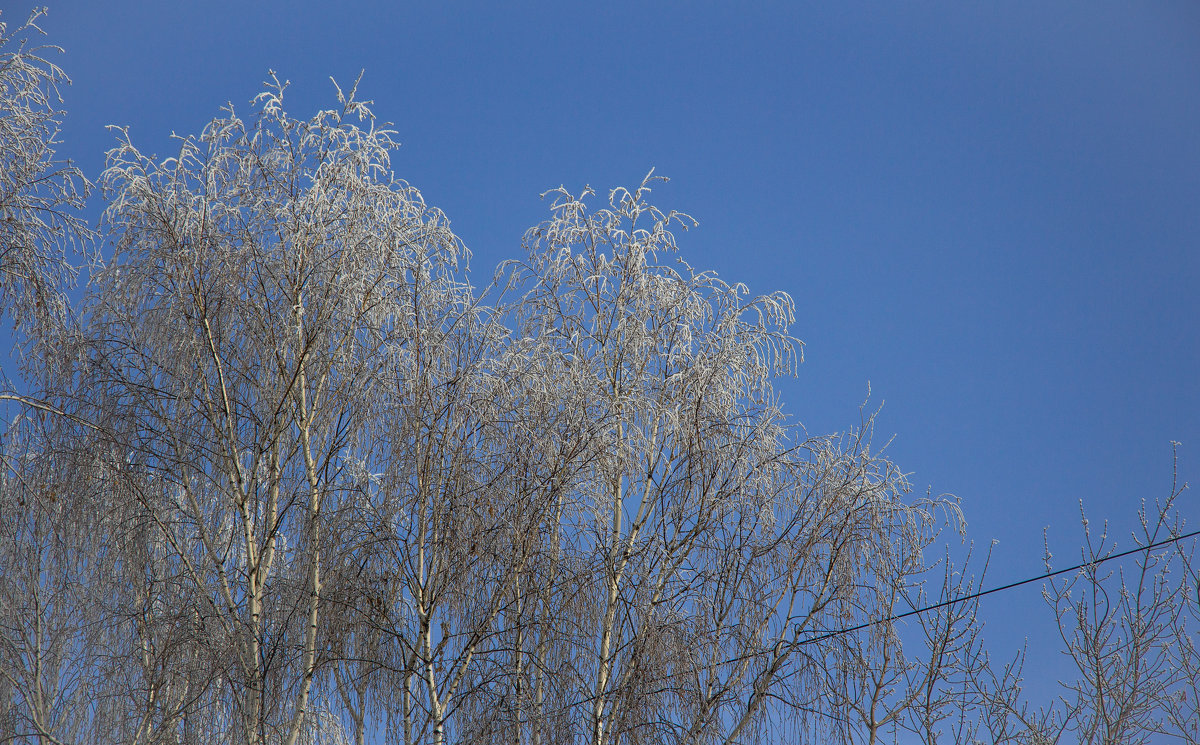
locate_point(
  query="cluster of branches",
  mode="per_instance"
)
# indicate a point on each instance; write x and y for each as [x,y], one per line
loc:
[294,480]
[40,197]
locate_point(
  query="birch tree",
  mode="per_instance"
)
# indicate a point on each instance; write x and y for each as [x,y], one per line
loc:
[706,541]
[257,275]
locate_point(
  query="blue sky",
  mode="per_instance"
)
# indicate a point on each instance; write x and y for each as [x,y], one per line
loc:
[989,211]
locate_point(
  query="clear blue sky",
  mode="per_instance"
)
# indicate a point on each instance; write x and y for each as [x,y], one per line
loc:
[989,211]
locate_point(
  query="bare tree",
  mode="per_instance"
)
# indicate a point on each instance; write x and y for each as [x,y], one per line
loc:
[706,545]
[259,273]
[1129,633]
[1120,630]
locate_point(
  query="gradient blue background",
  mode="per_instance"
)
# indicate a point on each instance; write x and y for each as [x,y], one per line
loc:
[989,211]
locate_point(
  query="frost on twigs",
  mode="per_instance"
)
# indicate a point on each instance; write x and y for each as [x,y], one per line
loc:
[327,493]
[280,316]
[711,541]
[40,195]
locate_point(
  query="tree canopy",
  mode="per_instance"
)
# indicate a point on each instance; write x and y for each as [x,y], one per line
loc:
[295,479]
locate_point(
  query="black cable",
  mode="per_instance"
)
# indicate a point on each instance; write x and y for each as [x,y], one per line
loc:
[1009,586]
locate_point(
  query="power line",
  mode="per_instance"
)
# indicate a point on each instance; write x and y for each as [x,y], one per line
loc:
[1009,586]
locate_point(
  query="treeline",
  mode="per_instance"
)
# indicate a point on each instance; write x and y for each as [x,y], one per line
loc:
[281,474]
